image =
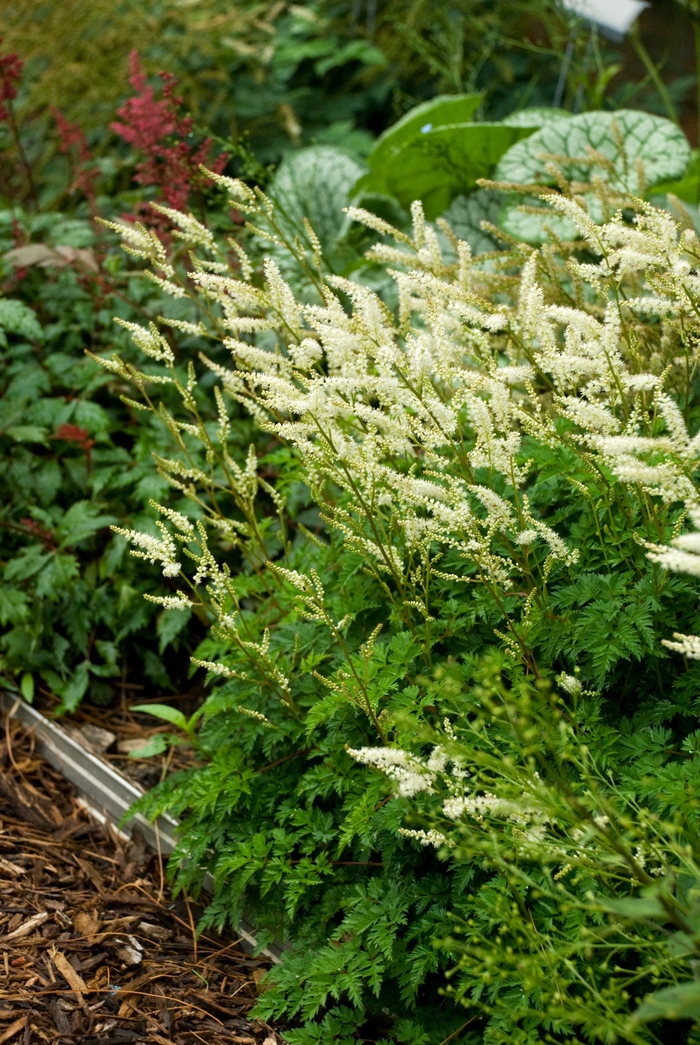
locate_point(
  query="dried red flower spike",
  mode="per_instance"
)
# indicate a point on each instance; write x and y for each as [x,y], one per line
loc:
[37,530]
[72,433]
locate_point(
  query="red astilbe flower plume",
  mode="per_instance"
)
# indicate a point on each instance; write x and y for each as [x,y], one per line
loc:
[155,127]
[146,119]
[10,74]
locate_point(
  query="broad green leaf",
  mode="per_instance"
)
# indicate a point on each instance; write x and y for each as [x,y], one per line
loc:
[635,907]
[658,144]
[169,625]
[686,188]
[164,711]
[445,109]
[425,118]
[680,944]
[680,1002]
[18,318]
[154,746]
[443,162]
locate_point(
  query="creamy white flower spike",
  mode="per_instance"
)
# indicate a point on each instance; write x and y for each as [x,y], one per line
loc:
[421,420]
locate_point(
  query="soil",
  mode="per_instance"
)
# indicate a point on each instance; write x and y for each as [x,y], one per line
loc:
[93,947]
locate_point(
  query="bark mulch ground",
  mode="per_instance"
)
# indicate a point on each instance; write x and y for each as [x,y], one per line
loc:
[93,949]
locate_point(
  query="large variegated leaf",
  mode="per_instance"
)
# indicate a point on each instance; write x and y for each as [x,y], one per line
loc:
[625,138]
[625,141]
[313,183]
[538,116]
[466,213]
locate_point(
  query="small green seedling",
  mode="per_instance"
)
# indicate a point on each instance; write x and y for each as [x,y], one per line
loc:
[162,741]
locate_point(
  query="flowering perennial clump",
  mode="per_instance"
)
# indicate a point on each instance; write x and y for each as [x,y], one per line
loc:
[470,501]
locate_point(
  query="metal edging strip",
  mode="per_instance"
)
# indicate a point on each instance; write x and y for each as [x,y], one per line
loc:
[106,791]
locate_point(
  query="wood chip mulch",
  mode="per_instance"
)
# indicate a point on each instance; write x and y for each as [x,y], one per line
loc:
[93,949]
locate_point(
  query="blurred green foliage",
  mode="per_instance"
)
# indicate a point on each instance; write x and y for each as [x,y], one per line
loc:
[75,460]
[332,72]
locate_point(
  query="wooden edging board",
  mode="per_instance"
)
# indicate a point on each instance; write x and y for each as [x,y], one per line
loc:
[105,790]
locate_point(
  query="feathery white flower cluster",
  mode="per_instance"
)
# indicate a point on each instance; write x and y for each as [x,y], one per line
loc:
[154,549]
[412,773]
[420,418]
[683,556]
[416,419]
[171,602]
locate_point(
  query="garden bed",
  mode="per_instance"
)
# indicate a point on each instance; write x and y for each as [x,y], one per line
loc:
[95,949]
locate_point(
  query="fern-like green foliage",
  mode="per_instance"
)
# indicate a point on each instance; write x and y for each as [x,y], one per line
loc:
[440,663]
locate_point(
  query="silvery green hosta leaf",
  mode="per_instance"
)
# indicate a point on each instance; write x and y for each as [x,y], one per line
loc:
[626,138]
[466,213]
[537,116]
[534,228]
[313,183]
[661,146]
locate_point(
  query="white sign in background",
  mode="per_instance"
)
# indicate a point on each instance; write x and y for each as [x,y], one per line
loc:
[614,18]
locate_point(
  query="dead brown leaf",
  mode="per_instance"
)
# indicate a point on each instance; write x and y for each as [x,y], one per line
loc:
[86,923]
[44,256]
